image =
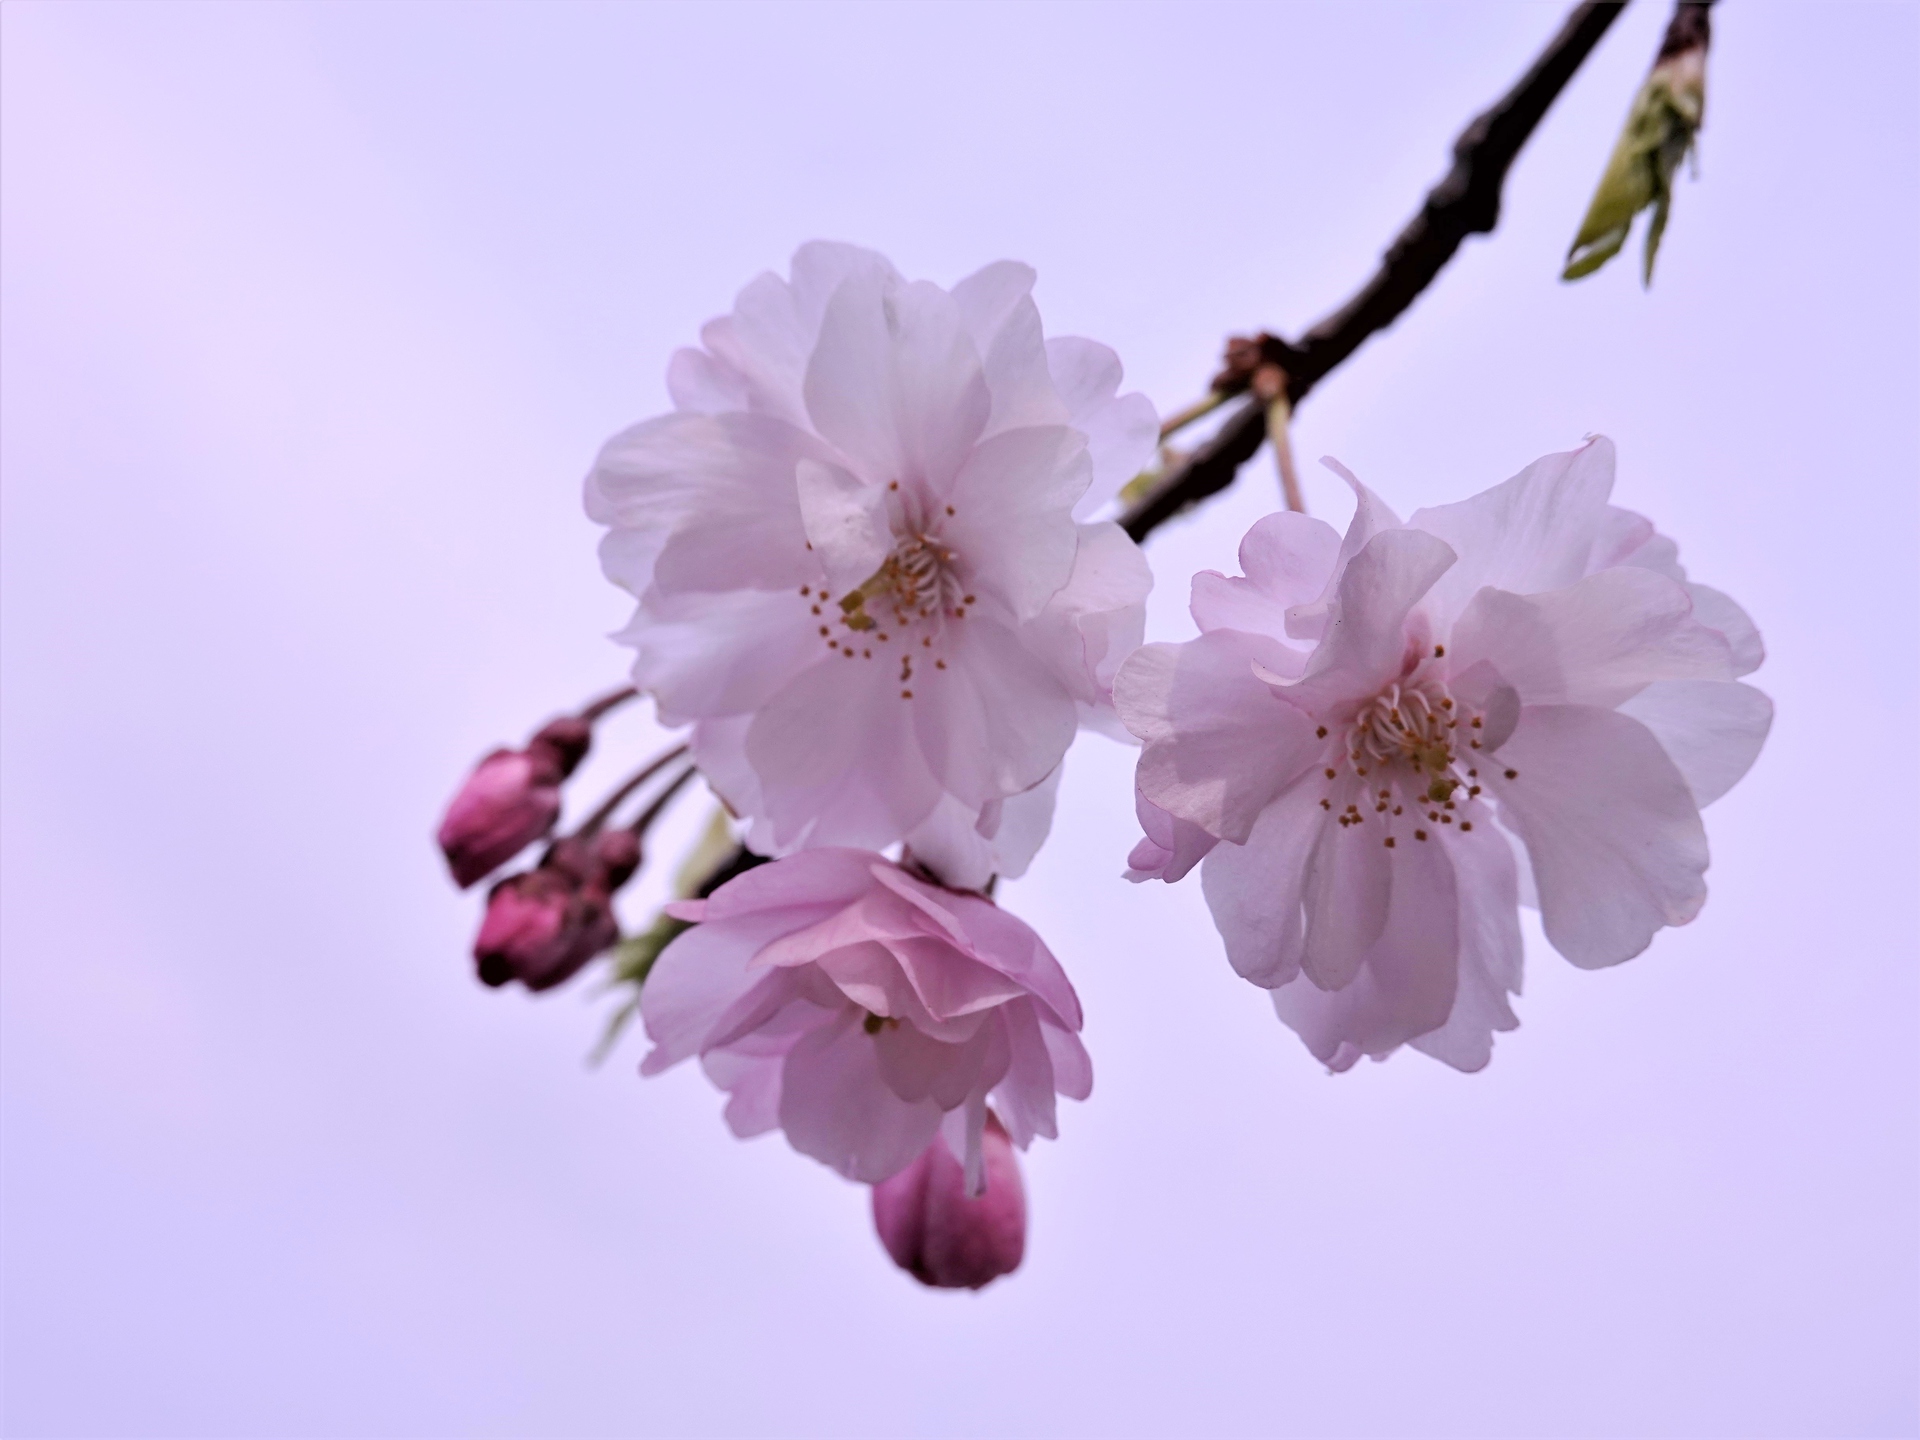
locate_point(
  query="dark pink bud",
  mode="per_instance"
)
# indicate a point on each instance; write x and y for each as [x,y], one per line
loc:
[541,927]
[511,799]
[938,1235]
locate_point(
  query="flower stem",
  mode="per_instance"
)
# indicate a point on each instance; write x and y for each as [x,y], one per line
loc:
[612,700]
[627,787]
[1180,419]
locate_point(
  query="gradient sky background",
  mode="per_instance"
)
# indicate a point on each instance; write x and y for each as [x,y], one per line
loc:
[313,319]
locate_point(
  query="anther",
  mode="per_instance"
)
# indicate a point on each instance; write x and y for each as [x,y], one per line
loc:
[1389,842]
[906,694]
[1419,834]
[1321,732]
[950,509]
[1438,651]
[1513,774]
[1466,824]
[1330,772]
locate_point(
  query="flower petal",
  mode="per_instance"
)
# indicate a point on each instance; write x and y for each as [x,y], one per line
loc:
[1596,642]
[1219,743]
[1491,951]
[1534,532]
[1012,523]
[1256,891]
[836,1106]
[1610,826]
[1712,731]
[1122,431]
[995,721]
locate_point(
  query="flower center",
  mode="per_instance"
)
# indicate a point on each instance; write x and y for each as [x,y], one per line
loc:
[1411,748]
[906,602]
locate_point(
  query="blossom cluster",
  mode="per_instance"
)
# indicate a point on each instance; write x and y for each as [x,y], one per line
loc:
[877,583]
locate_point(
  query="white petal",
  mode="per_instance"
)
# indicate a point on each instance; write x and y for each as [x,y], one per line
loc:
[1256,890]
[1098,617]
[1490,947]
[1718,611]
[1612,830]
[1366,637]
[704,383]
[1219,743]
[837,757]
[1533,532]
[1012,524]
[1712,731]
[1348,889]
[720,487]
[846,523]
[1122,431]
[1405,984]
[967,846]
[1170,848]
[1596,642]
[704,654]
[995,721]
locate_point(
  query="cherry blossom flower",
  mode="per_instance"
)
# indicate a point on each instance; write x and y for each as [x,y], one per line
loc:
[864,1011]
[945,1237]
[865,558]
[1375,727]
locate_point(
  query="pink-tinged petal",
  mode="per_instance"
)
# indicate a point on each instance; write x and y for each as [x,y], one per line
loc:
[1072,1066]
[1718,611]
[995,722]
[950,984]
[704,384]
[1371,516]
[838,758]
[1012,523]
[940,1235]
[1347,889]
[1010,946]
[1534,532]
[1122,431]
[1612,830]
[1098,618]
[706,653]
[628,558]
[1596,642]
[836,1106]
[1711,731]
[846,523]
[1172,846]
[895,381]
[1024,1097]
[816,881]
[933,911]
[1257,891]
[1288,561]
[1490,947]
[966,846]
[1219,744]
[1367,633]
[1405,984]
[1004,325]
[1620,535]
[698,977]
[721,487]
[916,1065]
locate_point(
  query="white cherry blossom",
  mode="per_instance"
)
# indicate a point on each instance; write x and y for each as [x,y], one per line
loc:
[1370,730]
[865,558]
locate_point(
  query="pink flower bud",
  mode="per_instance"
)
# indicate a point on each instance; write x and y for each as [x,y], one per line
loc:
[510,800]
[541,927]
[937,1234]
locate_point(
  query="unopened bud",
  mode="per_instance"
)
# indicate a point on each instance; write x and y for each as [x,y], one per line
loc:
[510,800]
[1665,117]
[941,1237]
[541,927]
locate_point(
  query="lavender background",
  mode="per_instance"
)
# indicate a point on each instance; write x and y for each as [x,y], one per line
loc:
[313,318]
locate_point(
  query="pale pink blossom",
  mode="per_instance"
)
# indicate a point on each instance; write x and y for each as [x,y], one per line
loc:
[864,1011]
[945,1237]
[1375,726]
[865,557]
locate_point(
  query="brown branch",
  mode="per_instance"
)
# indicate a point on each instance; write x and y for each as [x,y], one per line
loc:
[1465,202]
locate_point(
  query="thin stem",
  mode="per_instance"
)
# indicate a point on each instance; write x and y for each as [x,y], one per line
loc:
[1279,413]
[1180,419]
[1465,202]
[652,812]
[612,700]
[632,783]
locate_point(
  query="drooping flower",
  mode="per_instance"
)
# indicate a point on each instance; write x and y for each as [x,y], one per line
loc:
[510,800]
[864,1011]
[1364,722]
[864,562]
[945,1237]
[544,924]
